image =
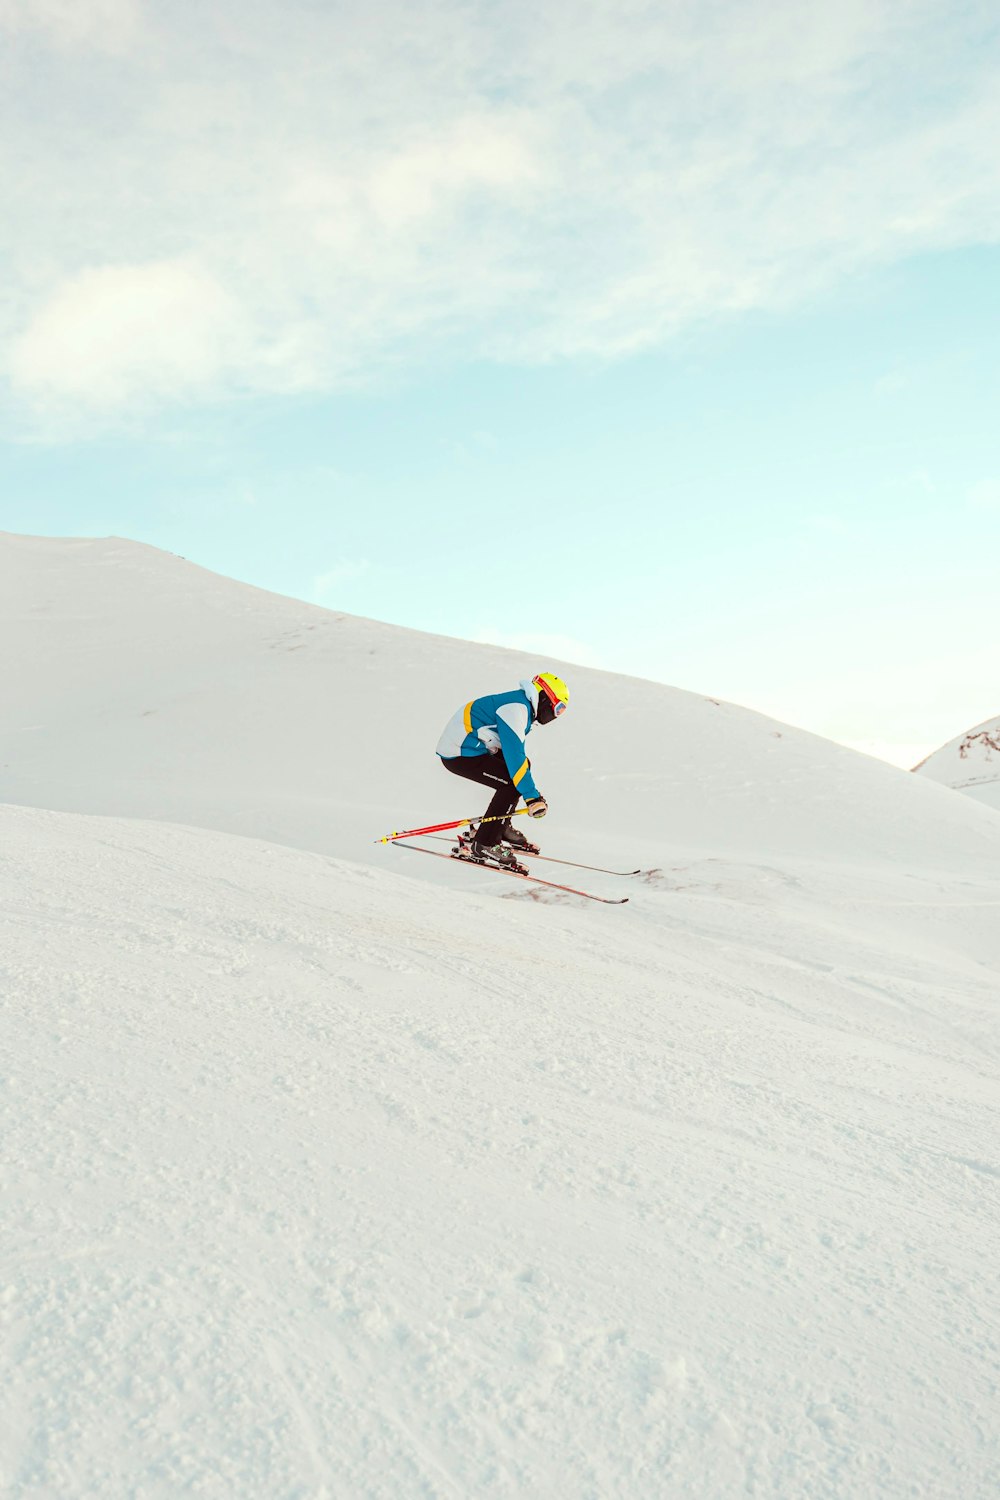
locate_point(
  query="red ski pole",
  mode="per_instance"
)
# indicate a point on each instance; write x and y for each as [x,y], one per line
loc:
[410,833]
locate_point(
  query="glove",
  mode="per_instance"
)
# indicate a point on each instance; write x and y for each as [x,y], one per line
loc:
[537,807]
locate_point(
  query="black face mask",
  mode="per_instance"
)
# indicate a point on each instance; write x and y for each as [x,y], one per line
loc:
[546,713]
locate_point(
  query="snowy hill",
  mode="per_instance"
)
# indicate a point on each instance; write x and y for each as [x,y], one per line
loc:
[334,1172]
[970,763]
[318,1185]
[137,684]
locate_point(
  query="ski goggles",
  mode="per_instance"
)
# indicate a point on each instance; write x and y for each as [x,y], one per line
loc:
[558,706]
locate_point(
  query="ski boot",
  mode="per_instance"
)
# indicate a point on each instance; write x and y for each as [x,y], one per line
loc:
[501,853]
[516,839]
[494,854]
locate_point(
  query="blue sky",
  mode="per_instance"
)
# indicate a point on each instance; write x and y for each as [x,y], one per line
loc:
[660,341]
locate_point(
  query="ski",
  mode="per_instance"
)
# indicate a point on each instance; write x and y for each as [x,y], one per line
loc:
[548,858]
[535,879]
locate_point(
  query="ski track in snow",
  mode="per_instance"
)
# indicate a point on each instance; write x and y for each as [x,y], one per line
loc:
[321,1185]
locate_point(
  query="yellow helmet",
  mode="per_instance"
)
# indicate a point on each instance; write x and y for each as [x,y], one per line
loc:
[553,691]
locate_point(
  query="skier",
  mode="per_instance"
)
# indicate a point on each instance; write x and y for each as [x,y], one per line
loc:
[484,741]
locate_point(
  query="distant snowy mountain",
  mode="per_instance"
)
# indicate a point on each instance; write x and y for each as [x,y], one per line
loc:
[970,763]
[333,1171]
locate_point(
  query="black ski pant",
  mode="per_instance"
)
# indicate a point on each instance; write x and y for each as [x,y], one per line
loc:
[492,771]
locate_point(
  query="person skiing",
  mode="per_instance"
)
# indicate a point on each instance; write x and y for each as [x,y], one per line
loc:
[484,741]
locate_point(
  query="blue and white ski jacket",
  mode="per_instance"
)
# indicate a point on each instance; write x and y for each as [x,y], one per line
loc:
[496,724]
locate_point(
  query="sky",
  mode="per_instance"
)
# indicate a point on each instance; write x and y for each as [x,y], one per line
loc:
[655,337]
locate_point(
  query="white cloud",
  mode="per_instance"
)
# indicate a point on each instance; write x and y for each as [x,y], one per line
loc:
[105,25]
[428,178]
[107,336]
[361,185]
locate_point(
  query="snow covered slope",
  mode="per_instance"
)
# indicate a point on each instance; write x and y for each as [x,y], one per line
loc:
[316,1185]
[331,1171]
[138,684]
[969,764]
